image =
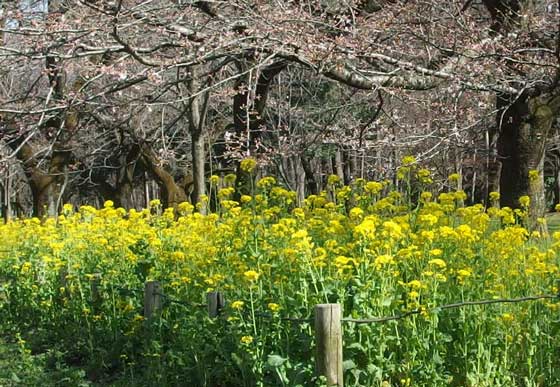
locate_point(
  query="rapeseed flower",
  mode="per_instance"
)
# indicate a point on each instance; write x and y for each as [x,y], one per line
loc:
[251,275]
[246,340]
[439,263]
[248,165]
[408,160]
[273,307]
[524,201]
[533,175]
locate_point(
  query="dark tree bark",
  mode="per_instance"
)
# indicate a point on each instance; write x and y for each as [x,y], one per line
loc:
[172,193]
[311,185]
[43,183]
[524,126]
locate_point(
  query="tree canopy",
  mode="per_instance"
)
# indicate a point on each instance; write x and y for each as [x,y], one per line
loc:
[129,99]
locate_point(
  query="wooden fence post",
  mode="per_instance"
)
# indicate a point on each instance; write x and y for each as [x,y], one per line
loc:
[328,335]
[152,298]
[216,302]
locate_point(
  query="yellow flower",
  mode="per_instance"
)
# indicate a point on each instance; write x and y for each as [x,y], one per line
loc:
[266,182]
[494,196]
[155,203]
[436,252]
[341,261]
[251,275]
[178,255]
[108,204]
[384,260]
[374,187]
[413,295]
[454,177]
[246,199]
[214,180]
[507,317]
[533,175]
[248,165]
[440,263]
[460,195]
[402,172]
[366,229]
[26,267]
[440,277]
[333,179]
[524,201]
[273,307]
[426,196]
[247,340]
[408,160]
[185,208]
[423,173]
[225,193]
[392,229]
[416,284]
[356,213]
[237,305]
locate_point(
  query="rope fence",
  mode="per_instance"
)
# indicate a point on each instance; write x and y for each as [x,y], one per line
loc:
[327,319]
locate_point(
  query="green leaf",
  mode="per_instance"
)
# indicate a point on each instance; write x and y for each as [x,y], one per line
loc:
[387,301]
[276,361]
[357,346]
[348,365]
[15,378]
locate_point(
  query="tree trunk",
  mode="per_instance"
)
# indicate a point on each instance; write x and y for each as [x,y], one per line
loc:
[556,185]
[198,160]
[493,163]
[311,185]
[40,190]
[525,124]
[6,194]
[197,113]
[171,193]
[301,181]
[339,165]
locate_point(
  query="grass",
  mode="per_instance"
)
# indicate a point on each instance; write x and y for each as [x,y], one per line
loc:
[19,367]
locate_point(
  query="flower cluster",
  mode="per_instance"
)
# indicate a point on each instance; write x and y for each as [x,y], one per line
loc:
[365,246]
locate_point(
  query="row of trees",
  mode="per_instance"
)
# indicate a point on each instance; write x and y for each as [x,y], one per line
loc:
[129,100]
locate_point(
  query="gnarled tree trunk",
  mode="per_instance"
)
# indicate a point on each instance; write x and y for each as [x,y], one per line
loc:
[172,193]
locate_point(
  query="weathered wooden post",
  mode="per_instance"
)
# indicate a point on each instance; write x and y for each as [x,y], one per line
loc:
[152,298]
[216,302]
[328,335]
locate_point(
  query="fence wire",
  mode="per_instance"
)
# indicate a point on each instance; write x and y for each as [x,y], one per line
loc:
[371,320]
[127,291]
[186,304]
[449,306]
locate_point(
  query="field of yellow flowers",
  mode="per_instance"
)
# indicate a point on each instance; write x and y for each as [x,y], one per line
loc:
[72,287]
